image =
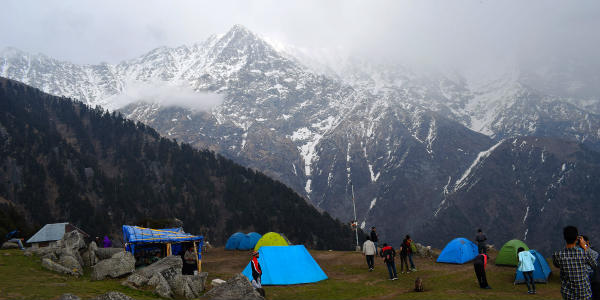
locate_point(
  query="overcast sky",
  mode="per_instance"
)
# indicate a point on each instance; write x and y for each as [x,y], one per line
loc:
[419,31]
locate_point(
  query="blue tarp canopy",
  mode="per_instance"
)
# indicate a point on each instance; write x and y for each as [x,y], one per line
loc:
[540,273]
[135,235]
[234,240]
[458,251]
[283,265]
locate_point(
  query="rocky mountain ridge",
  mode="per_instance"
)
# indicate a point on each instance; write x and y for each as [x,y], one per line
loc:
[401,139]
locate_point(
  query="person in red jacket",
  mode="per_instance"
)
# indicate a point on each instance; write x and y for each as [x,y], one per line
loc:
[388,253]
[480,263]
[256,271]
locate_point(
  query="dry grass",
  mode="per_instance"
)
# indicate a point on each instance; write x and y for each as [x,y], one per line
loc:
[349,279]
[23,278]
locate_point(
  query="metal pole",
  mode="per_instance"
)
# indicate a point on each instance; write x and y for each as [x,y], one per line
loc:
[355,220]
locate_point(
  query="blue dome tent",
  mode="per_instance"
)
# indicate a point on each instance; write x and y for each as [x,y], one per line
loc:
[234,241]
[283,265]
[249,241]
[458,251]
[540,274]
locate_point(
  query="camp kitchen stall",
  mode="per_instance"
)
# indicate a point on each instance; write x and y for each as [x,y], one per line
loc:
[170,241]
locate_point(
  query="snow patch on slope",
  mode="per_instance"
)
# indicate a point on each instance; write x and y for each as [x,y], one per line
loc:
[480,158]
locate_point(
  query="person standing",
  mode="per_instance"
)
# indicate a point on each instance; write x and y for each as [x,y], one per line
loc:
[388,253]
[480,238]
[369,252]
[573,262]
[480,263]
[190,261]
[411,251]
[256,270]
[526,266]
[404,250]
[374,237]
[106,243]
[595,277]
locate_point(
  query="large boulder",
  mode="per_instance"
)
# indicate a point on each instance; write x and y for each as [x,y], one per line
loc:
[118,265]
[112,296]
[166,279]
[237,287]
[73,240]
[180,285]
[70,262]
[89,258]
[168,267]
[51,256]
[198,282]
[92,246]
[64,252]
[106,253]
[135,281]
[41,252]
[52,266]
[68,297]
[161,286]
[9,245]
[424,251]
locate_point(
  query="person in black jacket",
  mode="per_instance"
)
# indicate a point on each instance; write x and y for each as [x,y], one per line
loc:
[480,238]
[480,263]
[374,237]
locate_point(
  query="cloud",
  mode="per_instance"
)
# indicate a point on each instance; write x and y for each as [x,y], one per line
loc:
[460,33]
[167,94]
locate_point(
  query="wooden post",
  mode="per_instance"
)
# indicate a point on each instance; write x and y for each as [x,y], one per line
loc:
[169,249]
[198,261]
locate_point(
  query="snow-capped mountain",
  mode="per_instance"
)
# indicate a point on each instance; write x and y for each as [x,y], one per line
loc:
[403,139]
[526,188]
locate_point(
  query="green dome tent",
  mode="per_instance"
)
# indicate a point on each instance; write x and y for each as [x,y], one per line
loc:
[271,239]
[508,253]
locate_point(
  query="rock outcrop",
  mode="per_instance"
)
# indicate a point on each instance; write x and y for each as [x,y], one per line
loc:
[166,279]
[106,296]
[237,287]
[119,264]
[424,251]
[106,253]
[55,267]
[9,245]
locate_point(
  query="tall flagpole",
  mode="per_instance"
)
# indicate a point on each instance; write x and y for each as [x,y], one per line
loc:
[355,220]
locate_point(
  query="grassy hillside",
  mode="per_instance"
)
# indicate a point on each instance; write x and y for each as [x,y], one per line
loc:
[22,278]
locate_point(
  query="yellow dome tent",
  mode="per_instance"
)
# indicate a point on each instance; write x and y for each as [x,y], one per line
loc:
[271,239]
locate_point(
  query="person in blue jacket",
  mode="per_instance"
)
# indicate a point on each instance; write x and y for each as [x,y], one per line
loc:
[526,265]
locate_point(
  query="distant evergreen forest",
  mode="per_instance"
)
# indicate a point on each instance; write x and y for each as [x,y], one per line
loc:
[63,161]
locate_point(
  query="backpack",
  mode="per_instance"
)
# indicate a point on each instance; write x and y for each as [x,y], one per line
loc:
[388,256]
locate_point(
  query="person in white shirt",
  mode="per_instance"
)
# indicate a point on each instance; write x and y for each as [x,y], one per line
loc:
[369,252]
